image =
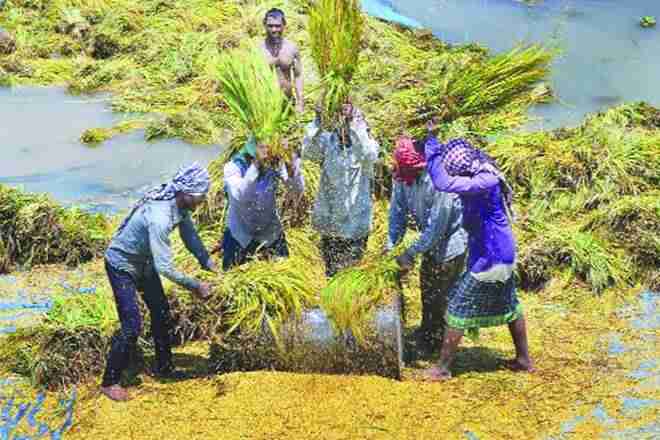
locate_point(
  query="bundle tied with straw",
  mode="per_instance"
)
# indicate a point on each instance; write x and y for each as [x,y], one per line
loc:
[335,29]
[251,90]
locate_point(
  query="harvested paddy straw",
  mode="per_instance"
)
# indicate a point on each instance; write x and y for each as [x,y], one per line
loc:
[335,28]
[252,92]
[352,295]
[35,230]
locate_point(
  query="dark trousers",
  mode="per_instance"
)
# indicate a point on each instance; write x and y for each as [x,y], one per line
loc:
[234,255]
[125,339]
[435,282]
[340,253]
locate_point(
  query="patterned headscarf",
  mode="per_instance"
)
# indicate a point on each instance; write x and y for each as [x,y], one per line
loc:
[408,162]
[193,180]
[461,158]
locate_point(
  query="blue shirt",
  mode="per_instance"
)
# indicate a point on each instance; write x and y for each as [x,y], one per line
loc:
[144,242]
[252,194]
[438,217]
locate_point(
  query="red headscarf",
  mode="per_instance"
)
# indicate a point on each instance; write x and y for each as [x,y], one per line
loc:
[408,162]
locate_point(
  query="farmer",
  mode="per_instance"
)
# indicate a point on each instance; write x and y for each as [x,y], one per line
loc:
[343,207]
[485,295]
[137,255]
[284,56]
[253,224]
[442,243]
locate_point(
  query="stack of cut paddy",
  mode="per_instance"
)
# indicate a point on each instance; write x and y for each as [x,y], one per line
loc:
[480,86]
[354,328]
[35,230]
[336,28]
[251,90]
[588,198]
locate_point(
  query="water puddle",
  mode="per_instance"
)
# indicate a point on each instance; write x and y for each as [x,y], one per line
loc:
[607,57]
[42,153]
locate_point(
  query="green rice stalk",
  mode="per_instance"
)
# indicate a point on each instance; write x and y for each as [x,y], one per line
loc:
[251,91]
[336,29]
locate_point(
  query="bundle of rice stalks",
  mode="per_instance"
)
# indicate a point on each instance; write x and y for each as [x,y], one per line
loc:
[91,311]
[252,92]
[634,221]
[69,356]
[335,28]
[350,297]
[34,230]
[479,86]
[262,294]
[587,256]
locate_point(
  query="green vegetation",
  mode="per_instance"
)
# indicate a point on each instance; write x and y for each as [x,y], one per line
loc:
[336,28]
[647,21]
[35,230]
[252,92]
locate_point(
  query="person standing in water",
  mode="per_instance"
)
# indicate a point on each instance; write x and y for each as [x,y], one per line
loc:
[253,223]
[138,254]
[344,206]
[486,294]
[442,241]
[284,56]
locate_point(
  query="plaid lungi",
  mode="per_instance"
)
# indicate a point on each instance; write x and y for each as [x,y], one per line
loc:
[474,304]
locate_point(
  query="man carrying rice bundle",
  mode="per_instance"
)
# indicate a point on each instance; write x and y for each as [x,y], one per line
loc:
[284,56]
[485,295]
[343,207]
[253,223]
[442,241]
[138,253]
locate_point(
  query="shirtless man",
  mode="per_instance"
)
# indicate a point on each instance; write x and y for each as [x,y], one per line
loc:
[284,55]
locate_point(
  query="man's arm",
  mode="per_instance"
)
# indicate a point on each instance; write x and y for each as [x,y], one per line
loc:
[315,143]
[298,80]
[159,243]
[367,148]
[398,217]
[292,176]
[436,225]
[235,184]
[193,243]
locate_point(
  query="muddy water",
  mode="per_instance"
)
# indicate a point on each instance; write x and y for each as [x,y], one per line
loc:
[607,58]
[40,150]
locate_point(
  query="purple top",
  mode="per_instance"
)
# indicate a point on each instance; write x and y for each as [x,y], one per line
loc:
[490,240]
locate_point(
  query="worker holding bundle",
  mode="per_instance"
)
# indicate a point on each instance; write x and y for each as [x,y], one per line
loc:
[253,224]
[485,295]
[138,254]
[339,139]
[343,208]
[442,241]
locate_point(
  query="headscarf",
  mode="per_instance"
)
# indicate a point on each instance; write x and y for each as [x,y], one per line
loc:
[461,158]
[408,162]
[192,179]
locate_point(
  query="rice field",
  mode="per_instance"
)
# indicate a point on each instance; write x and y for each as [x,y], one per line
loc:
[588,225]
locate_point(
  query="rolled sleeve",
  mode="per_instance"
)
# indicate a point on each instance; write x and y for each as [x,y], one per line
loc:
[236,184]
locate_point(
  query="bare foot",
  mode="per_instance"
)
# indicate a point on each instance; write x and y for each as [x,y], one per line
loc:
[116,393]
[437,374]
[520,365]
